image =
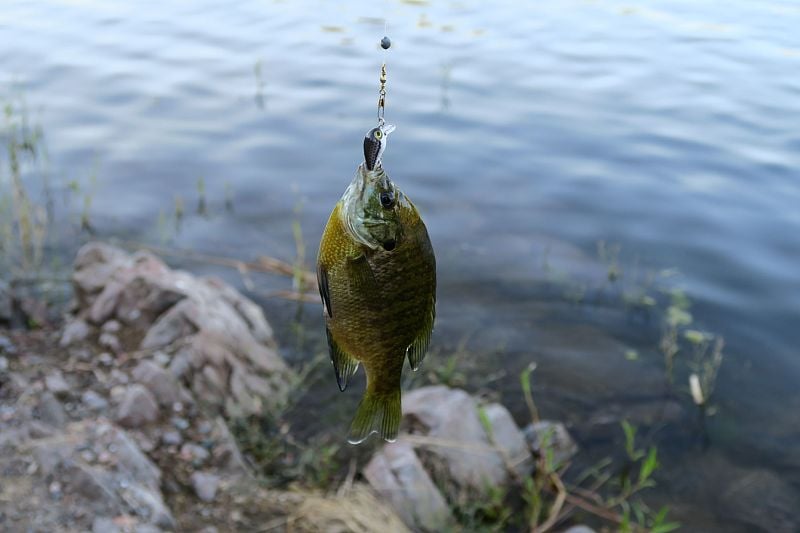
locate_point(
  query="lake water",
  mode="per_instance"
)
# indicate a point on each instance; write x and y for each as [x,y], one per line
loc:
[526,134]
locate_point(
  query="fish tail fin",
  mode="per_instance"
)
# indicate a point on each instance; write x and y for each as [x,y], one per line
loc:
[378,412]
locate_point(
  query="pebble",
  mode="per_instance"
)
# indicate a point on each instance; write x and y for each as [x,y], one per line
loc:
[180,423]
[94,401]
[7,346]
[110,341]
[138,407]
[193,452]
[105,358]
[51,411]
[112,326]
[171,438]
[56,383]
[76,331]
[205,485]
[3,364]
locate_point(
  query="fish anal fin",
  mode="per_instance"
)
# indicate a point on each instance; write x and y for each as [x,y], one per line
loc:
[344,364]
[416,350]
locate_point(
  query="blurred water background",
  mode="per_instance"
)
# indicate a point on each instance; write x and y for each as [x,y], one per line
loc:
[527,133]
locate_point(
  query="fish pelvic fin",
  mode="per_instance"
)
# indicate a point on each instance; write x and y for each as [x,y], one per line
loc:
[377,413]
[344,364]
[416,350]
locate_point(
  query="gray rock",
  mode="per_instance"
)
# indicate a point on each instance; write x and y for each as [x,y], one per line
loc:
[225,347]
[112,326]
[451,416]
[75,331]
[56,383]
[579,529]
[508,437]
[194,452]
[553,436]
[398,476]
[3,364]
[51,411]
[171,438]
[94,401]
[164,387]
[763,500]
[103,524]
[110,341]
[205,485]
[7,346]
[138,407]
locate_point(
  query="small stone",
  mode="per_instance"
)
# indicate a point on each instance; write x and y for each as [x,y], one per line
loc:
[104,524]
[76,331]
[105,358]
[195,453]
[7,346]
[138,407]
[163,386]
[580,529]
[205,486]
[180,423]
[55,489]
[204,427]
[94,401]
[110,341]
[171,438]
[56,383]
[3,364]
[551,435]
[51,411]
[112,326]
[386,43]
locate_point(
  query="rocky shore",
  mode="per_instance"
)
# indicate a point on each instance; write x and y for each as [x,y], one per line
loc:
[118,420]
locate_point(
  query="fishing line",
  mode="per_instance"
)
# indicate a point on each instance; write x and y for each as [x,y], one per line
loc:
[386,43]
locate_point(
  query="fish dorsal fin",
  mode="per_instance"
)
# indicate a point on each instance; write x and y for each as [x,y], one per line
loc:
[344,364]
[416,350]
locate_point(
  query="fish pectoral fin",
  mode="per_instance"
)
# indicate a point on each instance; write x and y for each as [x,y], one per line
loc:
[416,350]
[360,273]
[344,364]
[324,290]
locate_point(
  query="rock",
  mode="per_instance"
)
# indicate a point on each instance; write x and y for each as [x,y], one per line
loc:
[579,529]
[56,383]
[103,524]
[94,401]
[507,436]
[452,415]
[138,407]
[102,473]
[205,485]
[75,331]
[7,346]
[219,341]
[194,452]
[226,452]
[398,476]
[3,364]
[51,411]
[112,326]
[164,387]
[171,437]
[763,500]
[552,436]
[110,341]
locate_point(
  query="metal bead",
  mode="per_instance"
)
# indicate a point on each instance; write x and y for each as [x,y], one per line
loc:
[385,43]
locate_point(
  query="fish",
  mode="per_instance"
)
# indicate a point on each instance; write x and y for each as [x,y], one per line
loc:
[376,272]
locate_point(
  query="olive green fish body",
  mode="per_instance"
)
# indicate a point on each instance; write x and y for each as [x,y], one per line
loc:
[377,277]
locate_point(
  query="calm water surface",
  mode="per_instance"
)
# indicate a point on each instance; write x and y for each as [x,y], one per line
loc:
[527,132]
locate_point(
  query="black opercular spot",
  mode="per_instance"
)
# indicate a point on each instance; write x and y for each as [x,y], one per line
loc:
[387,200]
[389,245]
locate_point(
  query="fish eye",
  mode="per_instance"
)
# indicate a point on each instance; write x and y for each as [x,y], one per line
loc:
[378,134]
[387,200]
